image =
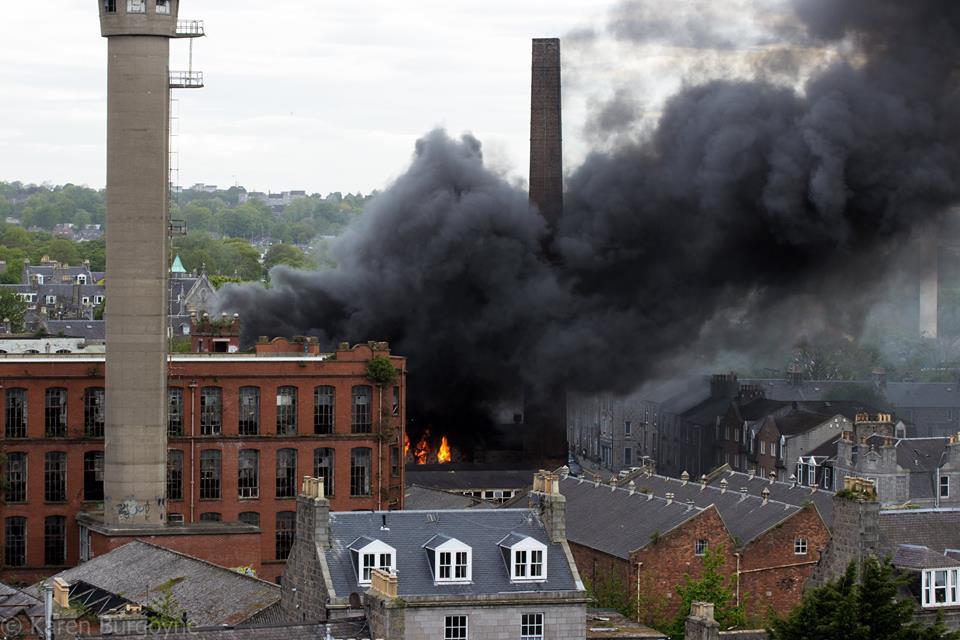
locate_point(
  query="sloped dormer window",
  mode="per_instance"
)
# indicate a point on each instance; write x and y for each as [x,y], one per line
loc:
[369,554]
[526,558]
[450,559]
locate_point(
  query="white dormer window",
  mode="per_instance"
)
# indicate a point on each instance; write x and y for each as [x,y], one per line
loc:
[450,559]
[526,558]
[81,278]
[940,588]
[39,278]
[85,300]
[371,554]
[51,299]
[97,299]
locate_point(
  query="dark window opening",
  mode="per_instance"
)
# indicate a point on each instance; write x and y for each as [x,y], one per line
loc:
[93,412]
[287,411]
[55,413]
[286,531]
[249,411]
[110,6]
[361,420]
[395,461]
[55,540]
[210,474]
[174,475]
[15,542]
[396,402]
[211,407]
[250,517]
[248,473]
[15,473]
[55,476]
[323,409]
[360,471]
[93,476]
[323,468]
[287,473]
[211,516]
[175,411]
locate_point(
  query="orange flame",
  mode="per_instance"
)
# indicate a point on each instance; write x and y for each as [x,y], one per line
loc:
[406,445]
[422,449]
[443,454]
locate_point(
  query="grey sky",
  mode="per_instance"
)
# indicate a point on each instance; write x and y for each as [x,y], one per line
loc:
[319,95]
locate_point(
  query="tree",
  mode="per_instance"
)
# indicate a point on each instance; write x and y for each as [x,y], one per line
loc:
[845,610]
[711,586]
[286,254]
[13,309]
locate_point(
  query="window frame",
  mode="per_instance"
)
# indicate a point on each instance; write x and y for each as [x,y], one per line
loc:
[361,413]
[454,558]
[355,478]
[700,547]
[456,627]
[376,551]
[324,411]
[55,417]
[93,465]
[174,475]
[21,481]
[285,535]
[929,588]
[329,473]
[248,417]
[174,411]
[286,474]
[55,477]
[800,547]
[14,543]
[531,626]
[287,412]
[55,541]
[211,415]
[211,474]
[944,485]
[522,554]
[15,413]
[248,474]
[94,411]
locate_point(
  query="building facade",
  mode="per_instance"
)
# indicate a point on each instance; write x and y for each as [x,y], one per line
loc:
[242,429]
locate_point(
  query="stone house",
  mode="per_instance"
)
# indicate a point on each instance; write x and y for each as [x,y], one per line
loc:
[425,574]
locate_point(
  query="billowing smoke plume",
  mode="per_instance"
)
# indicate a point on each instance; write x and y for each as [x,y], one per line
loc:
[747,199]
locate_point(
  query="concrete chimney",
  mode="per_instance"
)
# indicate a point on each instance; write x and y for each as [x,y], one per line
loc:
[551,504]
[546,146]
[138,172]
[700,624]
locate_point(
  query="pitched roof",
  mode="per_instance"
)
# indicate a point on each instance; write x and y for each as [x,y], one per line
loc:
[615,522]
[408,531]
[915,556]
[798,422]
[786,492]
[417,498]
[336,630]
[177,266]
[86,329]
[936,529]
[452,477]
[13,602]
[139,571]
[921,454]
[760,408]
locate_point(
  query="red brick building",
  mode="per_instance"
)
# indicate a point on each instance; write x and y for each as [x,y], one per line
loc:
[244,428]
[640,539]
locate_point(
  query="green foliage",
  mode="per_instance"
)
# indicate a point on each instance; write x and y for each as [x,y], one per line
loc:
[845,610]
[713,587]
[381,371]
[12,308]
[165,611]
[610,591]
[286,254]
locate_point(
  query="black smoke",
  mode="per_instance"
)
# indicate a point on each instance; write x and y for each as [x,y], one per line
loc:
[749,203]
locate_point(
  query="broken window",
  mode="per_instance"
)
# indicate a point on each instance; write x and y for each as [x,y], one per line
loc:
[175,411]
[361,418]
[93,476]
[248,473]
[55,476]
[287,411]
[15,472]
[210,474]
[211,516]
[286,530]
[93,412]
[211,410]
[323,468]
[249,411]
[16,413]
[55,540]
[395,411]
[323,407]
[174,475]
[287,473]
[55,413]
[250,517]
[360,471]
[15,542]
[395,461]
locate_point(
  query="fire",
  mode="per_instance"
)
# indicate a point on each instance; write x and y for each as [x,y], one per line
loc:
[422,449]
[443,454]
[406,444]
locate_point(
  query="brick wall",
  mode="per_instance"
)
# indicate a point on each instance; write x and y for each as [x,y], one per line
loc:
[229,372]
[224,549]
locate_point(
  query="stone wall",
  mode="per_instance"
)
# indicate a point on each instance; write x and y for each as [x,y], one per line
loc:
[855,536]
[567,621]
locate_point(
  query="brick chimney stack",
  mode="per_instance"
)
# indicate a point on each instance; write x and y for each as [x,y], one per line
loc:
[546,146]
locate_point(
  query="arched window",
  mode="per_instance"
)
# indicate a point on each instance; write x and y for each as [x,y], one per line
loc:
[361,418]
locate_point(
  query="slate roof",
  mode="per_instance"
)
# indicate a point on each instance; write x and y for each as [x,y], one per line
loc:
[760,408]
[615,522]
[417,498]
[915,556]
[13,602]
[706,412]
[900,394]
[936,529]
[785,492]
[744,513]
[138,570]
[86,329]
[453,477]
[921,454]
[408,531]
[798,422]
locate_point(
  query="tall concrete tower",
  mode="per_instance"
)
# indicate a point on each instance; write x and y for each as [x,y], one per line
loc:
[138,33]
[546,137]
